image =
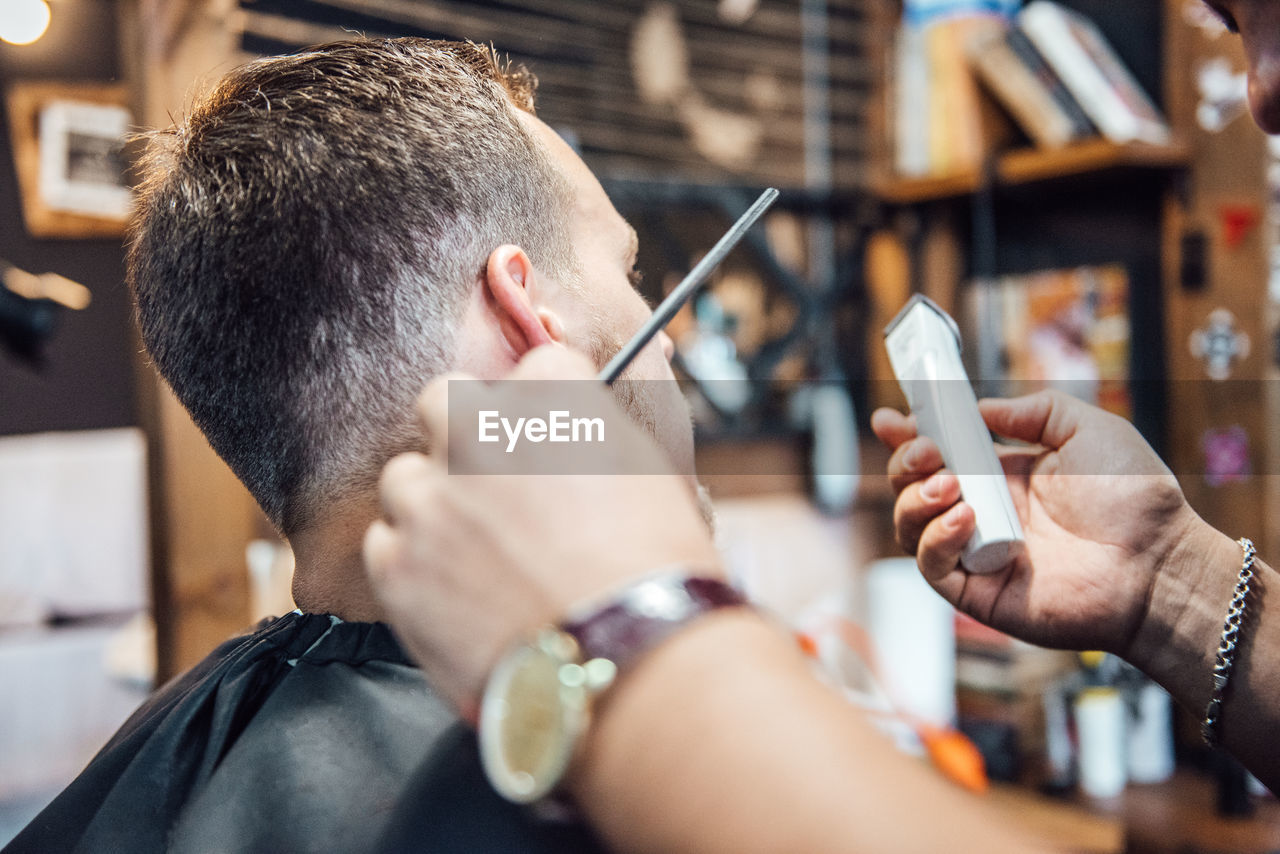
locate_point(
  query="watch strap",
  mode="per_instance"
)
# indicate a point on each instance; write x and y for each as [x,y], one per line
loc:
[537,701]
[646,612]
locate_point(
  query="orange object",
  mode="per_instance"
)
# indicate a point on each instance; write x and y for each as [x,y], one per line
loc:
[808,645]
[952,752]
[955,756]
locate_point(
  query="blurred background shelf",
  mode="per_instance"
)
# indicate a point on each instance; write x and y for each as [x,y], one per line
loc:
[1094,158]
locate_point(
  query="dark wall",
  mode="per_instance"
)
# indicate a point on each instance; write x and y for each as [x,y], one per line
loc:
[86,378]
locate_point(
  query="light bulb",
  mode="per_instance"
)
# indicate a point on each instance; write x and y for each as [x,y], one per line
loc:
[23,21]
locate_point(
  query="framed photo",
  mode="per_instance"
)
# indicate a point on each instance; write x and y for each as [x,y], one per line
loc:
[68,144]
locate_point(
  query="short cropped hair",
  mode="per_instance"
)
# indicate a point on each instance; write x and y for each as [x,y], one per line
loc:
[305,243]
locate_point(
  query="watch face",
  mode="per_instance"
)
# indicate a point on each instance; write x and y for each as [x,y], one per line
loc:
[531,717]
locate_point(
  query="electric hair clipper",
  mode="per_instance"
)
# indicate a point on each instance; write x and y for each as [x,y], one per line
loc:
[924,348]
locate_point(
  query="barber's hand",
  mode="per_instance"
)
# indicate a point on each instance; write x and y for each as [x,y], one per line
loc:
[1100,511]
[466,564]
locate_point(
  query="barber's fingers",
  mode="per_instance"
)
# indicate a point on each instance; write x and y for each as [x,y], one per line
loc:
[920,504]
[943,541]
[914,461]
[1048,418]
[553,362]
[381,551]
[433,411]
[893,427]
[404,486]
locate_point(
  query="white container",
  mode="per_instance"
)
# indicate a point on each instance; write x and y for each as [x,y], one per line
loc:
[912,629]
[1100,724]
[1150,737]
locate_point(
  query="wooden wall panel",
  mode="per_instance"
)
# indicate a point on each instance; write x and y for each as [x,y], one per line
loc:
[202,517]
[1228,170]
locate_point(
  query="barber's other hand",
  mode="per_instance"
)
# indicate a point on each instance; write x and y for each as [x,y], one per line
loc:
[466,564]
[1102,516]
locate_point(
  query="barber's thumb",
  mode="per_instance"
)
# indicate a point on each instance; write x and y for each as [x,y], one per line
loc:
[553,362]
[381,551]
[1047,418]
[433,409]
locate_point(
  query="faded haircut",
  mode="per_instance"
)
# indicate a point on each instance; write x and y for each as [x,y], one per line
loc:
[305,243]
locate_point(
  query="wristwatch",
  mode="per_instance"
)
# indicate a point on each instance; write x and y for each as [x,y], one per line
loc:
[537,702]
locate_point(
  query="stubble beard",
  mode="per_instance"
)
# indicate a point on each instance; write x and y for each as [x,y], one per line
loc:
[637,399]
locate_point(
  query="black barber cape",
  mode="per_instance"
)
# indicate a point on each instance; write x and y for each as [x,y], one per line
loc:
[310,734]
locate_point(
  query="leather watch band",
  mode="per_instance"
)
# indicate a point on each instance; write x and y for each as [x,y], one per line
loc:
[645,613]
[537,701]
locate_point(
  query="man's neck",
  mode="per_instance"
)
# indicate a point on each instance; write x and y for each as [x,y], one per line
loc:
[329,576]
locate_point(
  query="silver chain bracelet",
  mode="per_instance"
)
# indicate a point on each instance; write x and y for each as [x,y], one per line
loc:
[1227,648]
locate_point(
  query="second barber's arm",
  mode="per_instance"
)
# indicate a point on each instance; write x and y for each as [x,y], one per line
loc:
[1178,641]
[718,739]
[723,740]
[1116,559]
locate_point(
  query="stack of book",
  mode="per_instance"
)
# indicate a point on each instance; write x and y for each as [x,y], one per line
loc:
[1066,329]
[1049,67]
[938,112]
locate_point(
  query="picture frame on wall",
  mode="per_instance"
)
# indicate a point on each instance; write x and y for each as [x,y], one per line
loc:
[69,144]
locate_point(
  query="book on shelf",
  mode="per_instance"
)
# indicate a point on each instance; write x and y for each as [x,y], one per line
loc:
[951,135]
[925,11]
[1026,52]
[1014,72]
[1095,76]
[1066,329]
[941,123]
[911,97]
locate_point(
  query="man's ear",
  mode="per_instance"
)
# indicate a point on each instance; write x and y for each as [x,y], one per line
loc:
[513,288]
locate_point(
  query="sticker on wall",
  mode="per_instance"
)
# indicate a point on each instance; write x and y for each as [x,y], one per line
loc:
[1273,218]
[1198,15]
[1220,344]
[1224,94]
[1226,455]
[1238,222]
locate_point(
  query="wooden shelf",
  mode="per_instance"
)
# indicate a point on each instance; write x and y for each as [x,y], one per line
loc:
[1033,165]
[1180,815]
[1177,815]
[909,191]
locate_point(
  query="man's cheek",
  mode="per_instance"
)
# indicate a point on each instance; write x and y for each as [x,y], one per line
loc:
[675,425]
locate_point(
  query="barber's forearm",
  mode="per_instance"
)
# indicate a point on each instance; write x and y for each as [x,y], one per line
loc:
[1178,642]
[723,740]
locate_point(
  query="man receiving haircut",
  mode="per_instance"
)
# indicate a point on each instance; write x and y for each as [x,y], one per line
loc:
[323,234]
